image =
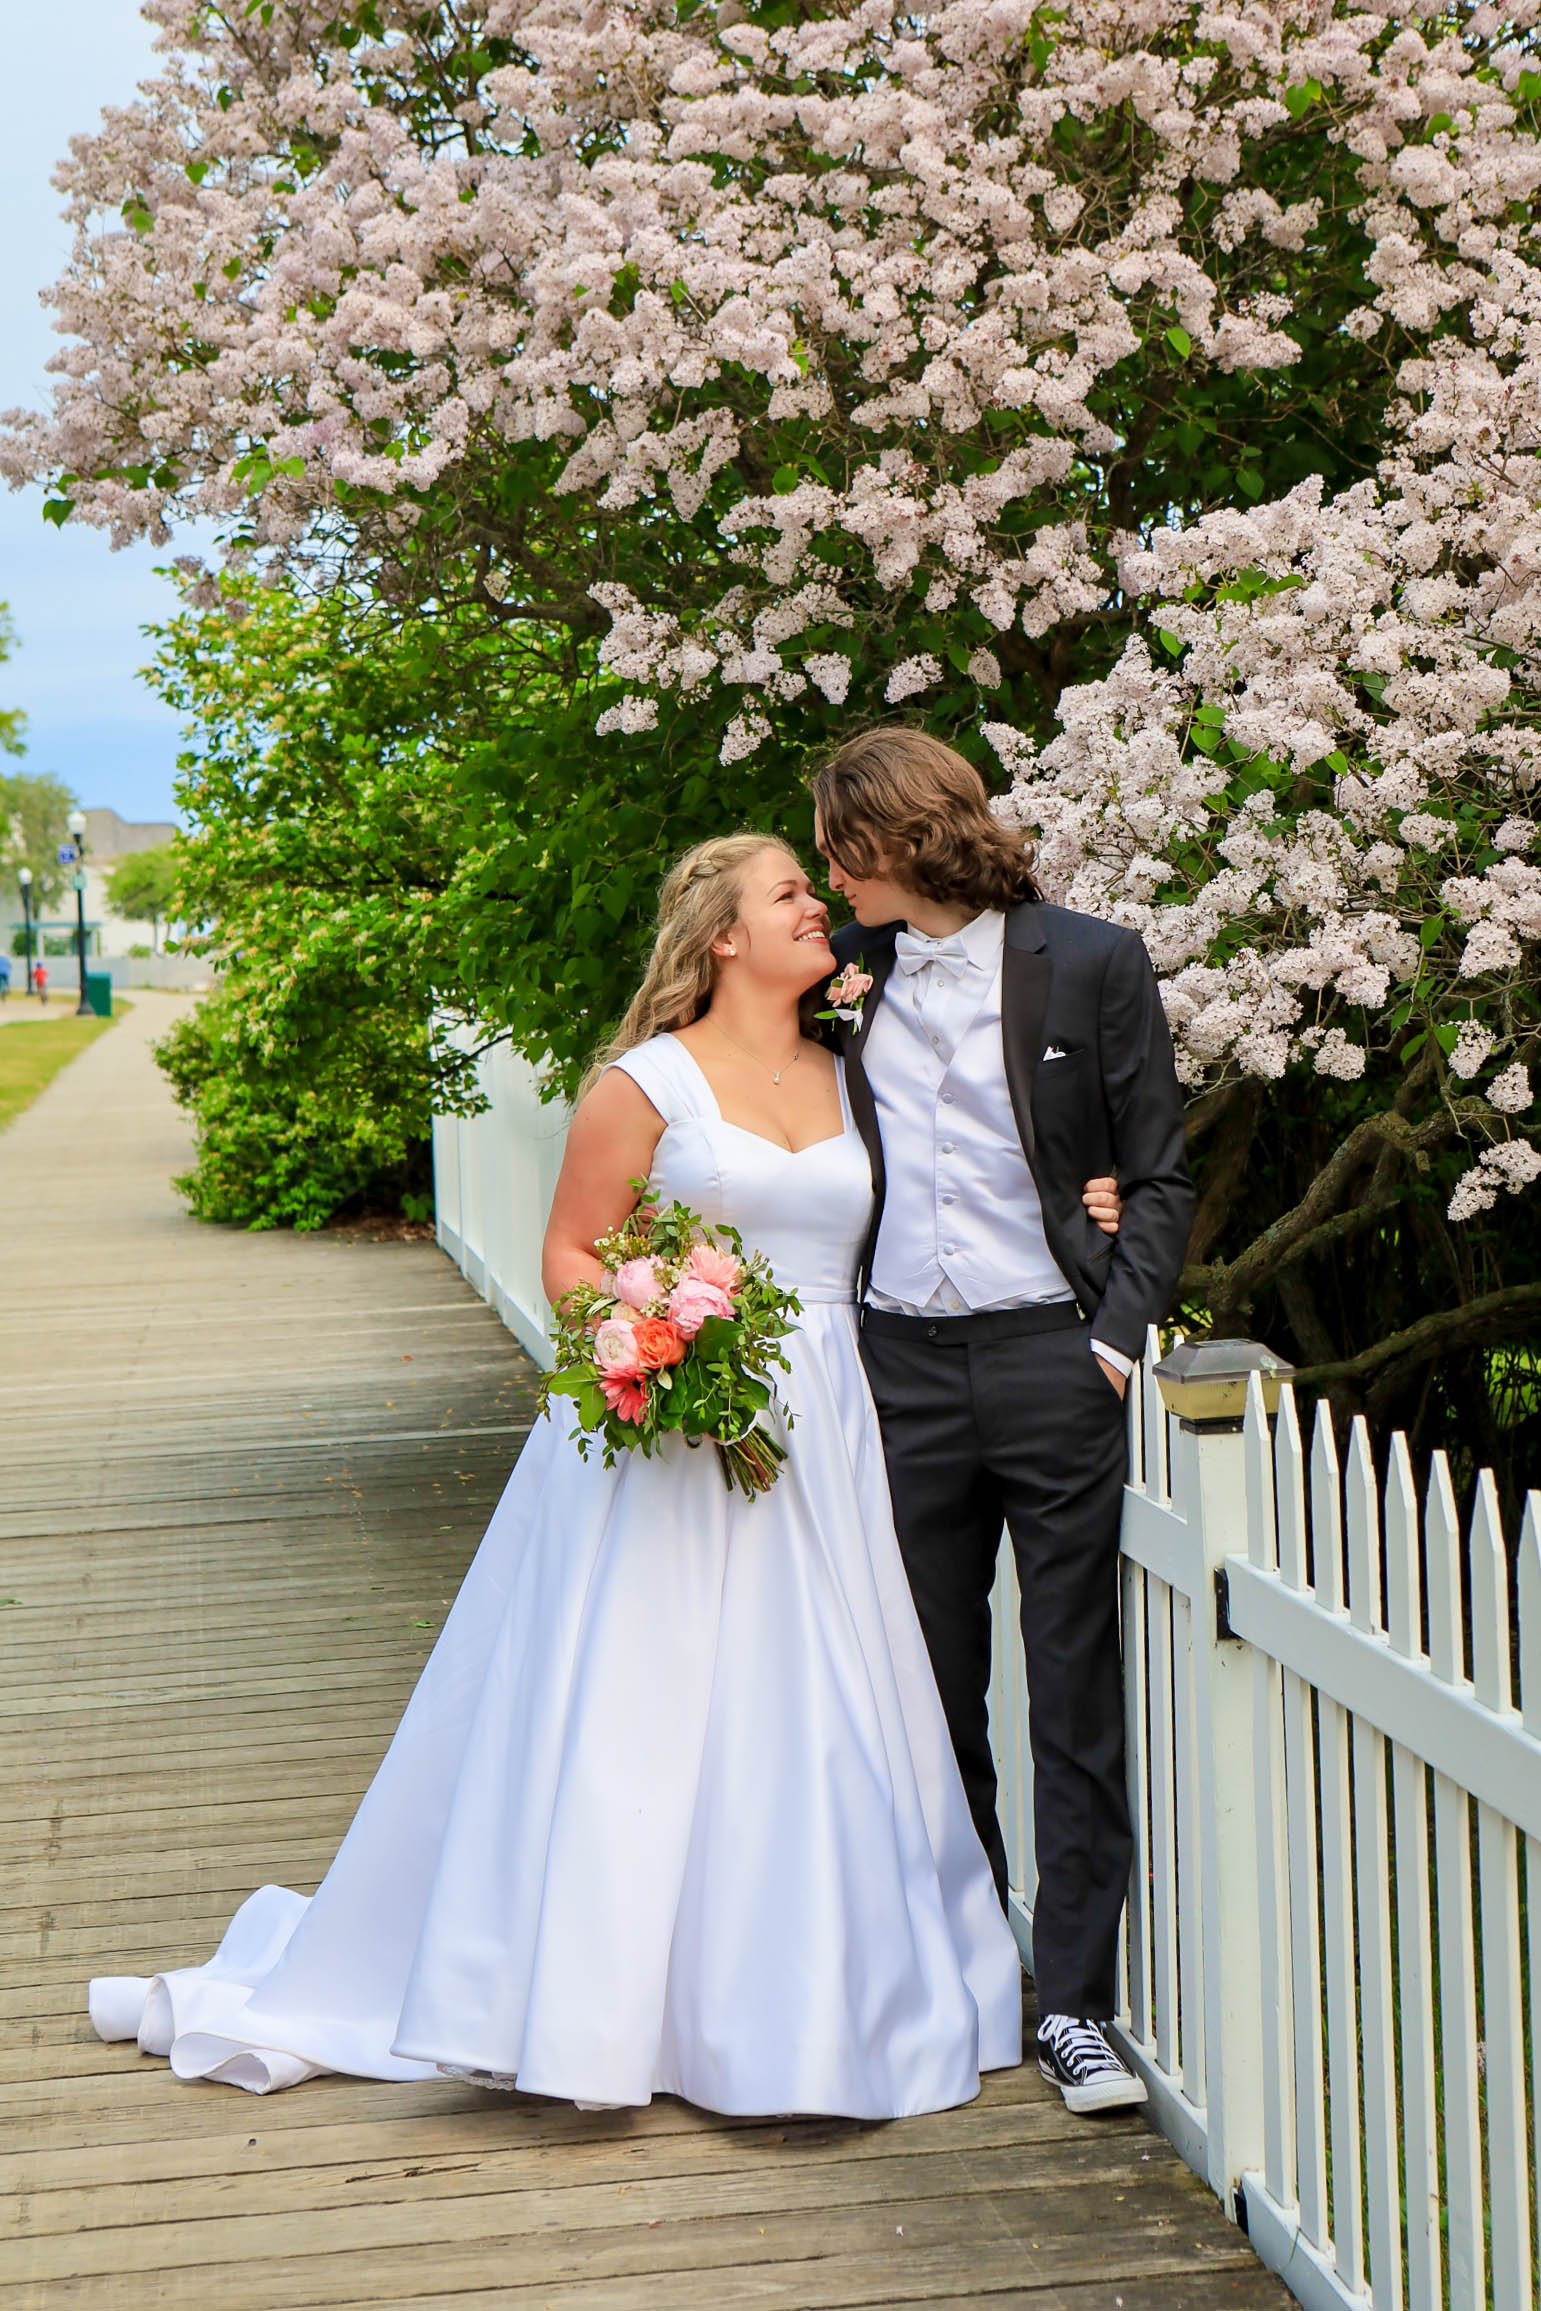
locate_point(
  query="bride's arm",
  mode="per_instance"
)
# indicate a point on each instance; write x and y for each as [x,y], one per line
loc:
[610,1143]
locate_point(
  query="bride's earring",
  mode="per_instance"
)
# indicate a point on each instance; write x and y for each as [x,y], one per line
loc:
[730,950]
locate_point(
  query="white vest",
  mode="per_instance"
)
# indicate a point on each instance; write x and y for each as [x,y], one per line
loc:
[962,1229]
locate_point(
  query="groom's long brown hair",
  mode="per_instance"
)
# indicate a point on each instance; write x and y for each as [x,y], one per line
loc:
[899,803]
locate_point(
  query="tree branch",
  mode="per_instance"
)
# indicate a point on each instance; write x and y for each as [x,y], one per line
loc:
[1490,1317]
[1386,1133]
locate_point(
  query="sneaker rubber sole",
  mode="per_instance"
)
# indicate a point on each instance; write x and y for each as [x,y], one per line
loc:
[1126,2093]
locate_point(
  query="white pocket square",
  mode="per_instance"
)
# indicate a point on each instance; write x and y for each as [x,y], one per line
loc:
[1054,1051]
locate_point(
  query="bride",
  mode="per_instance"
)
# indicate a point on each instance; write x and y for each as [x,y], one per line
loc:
[673,1808]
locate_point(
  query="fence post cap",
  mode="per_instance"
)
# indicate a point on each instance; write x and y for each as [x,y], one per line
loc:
[1204,1382]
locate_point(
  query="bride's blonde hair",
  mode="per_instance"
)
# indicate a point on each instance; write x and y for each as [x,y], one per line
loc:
[700,899]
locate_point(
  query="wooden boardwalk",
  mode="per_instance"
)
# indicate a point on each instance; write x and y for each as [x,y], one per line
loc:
[240,1477]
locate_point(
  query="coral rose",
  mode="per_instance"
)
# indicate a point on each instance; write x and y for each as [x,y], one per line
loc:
[659,1343]
[637,1282]
[692,1301]
[615,1350]
[712,1266]
[627,1399]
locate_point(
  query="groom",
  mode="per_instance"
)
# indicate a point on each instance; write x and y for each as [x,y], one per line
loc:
[1005,1050]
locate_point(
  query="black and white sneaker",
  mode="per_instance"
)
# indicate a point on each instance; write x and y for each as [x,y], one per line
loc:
[1076,2057]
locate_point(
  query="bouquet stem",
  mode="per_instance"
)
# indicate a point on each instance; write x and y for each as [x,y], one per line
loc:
[750,1462]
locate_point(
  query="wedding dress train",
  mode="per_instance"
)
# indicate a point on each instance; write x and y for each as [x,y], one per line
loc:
[673,1807]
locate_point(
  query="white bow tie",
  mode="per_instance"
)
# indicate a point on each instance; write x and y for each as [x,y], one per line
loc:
[912,952]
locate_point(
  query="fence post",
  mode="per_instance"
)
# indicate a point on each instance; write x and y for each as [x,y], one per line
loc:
[1204,1384]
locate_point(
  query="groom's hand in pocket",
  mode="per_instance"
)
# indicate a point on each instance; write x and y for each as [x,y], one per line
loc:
[1119,1379]
[1103,1204]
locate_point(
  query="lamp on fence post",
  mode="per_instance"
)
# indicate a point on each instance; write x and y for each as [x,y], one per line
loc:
[24,877]
[1204,1385]
[77,827]
[1204,1382]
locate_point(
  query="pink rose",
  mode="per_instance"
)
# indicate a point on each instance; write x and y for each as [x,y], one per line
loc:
[712,1266]
[852,984]
[693,1300]
[627,1399]
[637,1282]
[615,1350]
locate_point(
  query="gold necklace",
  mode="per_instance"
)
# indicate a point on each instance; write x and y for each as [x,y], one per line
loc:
[775,1073]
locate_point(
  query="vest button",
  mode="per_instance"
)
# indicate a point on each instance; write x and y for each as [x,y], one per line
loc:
[930,1331]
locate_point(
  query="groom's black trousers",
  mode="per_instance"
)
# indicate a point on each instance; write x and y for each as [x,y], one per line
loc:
[987,1421]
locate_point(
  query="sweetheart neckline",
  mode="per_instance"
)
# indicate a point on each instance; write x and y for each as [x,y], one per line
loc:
[830,1139]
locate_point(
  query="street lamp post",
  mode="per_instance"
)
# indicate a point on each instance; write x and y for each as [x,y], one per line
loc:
[77,827]
[24,877]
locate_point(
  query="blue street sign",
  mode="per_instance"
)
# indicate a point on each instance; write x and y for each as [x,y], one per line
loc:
[67,854]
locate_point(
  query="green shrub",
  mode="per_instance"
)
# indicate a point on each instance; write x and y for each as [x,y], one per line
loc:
[292,1139]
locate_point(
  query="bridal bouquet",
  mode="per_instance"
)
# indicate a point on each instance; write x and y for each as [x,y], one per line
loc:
[680,1340]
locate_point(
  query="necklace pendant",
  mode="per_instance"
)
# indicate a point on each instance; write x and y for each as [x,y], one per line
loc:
[776,1078]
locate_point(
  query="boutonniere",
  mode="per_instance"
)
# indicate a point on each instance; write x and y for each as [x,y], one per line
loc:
[848,992]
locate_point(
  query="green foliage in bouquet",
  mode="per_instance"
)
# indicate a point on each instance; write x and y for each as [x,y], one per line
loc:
[707,1378]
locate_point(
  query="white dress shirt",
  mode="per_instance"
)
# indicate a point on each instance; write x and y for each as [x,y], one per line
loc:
[962,1229]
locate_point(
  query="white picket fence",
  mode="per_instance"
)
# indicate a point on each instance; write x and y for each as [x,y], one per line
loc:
[1331,1978]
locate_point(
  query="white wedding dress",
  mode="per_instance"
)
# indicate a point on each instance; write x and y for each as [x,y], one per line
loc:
[673,1808]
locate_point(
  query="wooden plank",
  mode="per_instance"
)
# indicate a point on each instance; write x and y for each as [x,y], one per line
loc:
[1300,1807]
[1410,1861]
[1342,1980]
[1163,1829]
[1528,1585]
[1503,2011]
[1457,1950]
[1270,1815]
[1073,2233]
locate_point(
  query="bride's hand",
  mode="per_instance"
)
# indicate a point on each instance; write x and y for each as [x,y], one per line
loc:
[1104,1204]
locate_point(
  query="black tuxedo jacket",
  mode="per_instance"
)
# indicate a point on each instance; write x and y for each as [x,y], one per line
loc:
[1111,1104]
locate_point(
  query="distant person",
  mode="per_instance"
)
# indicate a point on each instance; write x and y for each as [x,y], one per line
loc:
[5,978]
[40,981]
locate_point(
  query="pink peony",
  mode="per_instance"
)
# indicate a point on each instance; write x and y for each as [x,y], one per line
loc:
[693,1300]
[615,1350]
[712,1266]
[627,1399]
[637,1282]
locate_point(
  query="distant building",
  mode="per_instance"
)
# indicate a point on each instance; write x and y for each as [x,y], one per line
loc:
[108,838]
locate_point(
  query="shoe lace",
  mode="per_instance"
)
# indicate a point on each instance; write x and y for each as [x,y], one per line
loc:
[1079,2045]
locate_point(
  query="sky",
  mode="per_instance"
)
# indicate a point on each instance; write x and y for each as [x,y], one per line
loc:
[77,606]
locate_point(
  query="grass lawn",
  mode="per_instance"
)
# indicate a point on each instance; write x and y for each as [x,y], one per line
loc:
[30,1056]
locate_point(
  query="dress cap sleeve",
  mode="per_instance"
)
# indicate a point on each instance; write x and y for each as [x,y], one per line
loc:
[665,1072]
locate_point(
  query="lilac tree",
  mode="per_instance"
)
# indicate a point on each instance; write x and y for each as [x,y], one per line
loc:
[1145,394]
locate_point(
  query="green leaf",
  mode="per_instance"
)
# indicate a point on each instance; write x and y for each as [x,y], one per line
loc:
[1180,342]
[58,511]
[1170,642]
[785,479]
[1299,99]
[1250,482]
[1430,932]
